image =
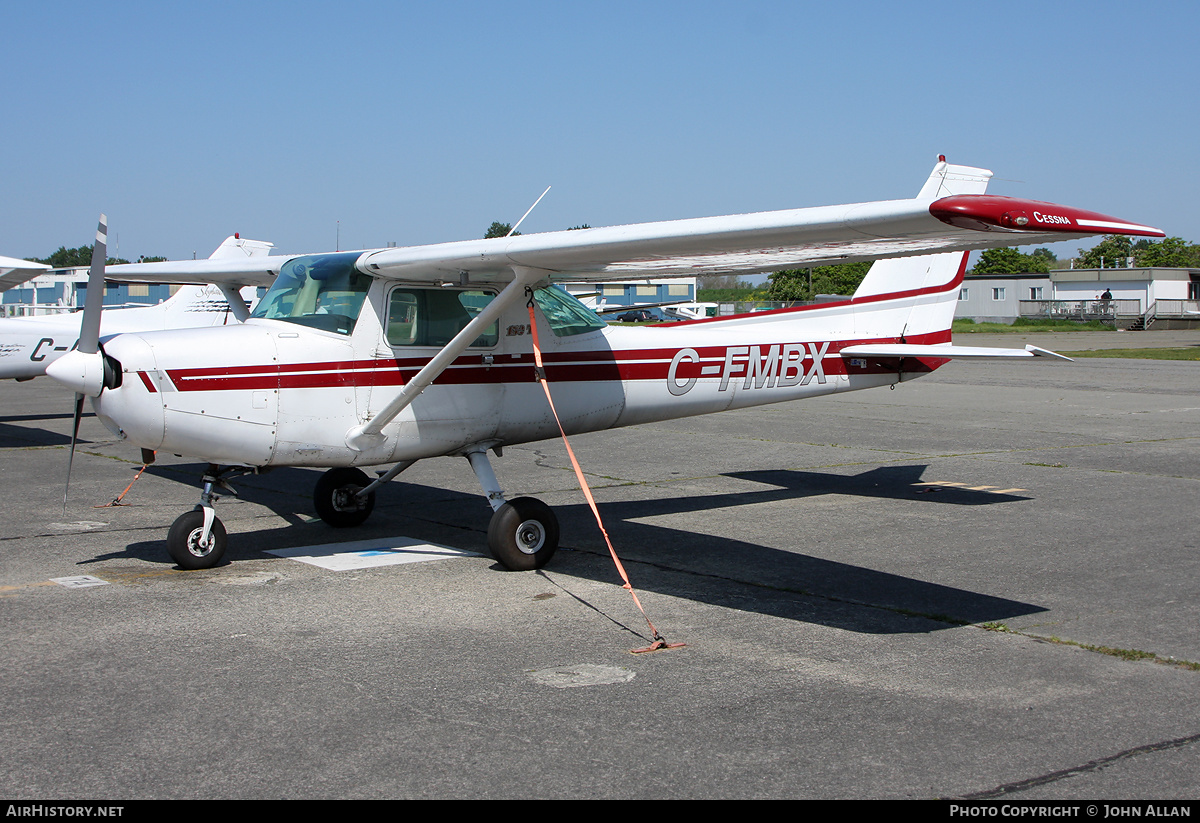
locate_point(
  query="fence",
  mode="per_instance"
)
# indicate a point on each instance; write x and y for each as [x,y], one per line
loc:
[1176,308]
[29,309]
[1104,310]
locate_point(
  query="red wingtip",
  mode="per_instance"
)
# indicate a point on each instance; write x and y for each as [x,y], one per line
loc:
[988,212]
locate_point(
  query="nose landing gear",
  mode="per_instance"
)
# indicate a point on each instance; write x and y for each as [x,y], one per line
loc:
[197,538]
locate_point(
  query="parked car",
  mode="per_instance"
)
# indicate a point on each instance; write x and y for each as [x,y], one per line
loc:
[637,316]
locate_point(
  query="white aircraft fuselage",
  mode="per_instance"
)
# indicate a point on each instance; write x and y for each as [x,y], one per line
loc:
[280,393]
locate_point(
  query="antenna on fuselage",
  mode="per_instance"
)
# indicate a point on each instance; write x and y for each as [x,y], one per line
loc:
[526,214]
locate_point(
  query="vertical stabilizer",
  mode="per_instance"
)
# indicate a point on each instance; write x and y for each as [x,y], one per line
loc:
[236,246]
[916,295]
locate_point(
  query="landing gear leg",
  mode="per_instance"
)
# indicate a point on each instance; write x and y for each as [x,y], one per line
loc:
[523,533]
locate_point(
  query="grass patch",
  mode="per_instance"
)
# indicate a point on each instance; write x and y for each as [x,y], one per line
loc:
[1131,655]
[1189,353]
[1026,324]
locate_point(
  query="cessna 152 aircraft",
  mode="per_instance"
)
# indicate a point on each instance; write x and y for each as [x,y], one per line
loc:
[29,344]
[391,356]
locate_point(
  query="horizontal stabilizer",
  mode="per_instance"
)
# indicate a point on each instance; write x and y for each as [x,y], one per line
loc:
[965,352]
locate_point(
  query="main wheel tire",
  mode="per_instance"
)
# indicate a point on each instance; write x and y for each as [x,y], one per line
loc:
[523,534]
[335,501]
[184,546]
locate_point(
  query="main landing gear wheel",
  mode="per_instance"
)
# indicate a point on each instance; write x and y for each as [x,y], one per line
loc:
[523,534]
[186,547]
[335,498]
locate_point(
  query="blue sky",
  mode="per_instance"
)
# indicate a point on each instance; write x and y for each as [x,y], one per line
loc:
[423,122]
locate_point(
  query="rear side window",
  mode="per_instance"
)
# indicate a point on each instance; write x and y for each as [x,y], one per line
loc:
[432,317]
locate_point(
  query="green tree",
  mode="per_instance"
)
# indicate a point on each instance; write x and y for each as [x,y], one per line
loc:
[66,258]
[498,229]
[1170,252]
[722,281]
[1110,253]
[1045,254]
[1011,261]
[792,284]
[1114,251]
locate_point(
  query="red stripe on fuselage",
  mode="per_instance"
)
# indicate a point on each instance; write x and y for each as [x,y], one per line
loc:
[589,366]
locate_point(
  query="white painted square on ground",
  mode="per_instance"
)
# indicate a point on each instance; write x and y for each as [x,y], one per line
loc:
[79,581]
[366,554]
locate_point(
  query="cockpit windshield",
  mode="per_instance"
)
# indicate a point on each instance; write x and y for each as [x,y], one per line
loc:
[323,291]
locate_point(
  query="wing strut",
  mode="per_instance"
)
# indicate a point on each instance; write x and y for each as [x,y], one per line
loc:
[369,434]
[233,296]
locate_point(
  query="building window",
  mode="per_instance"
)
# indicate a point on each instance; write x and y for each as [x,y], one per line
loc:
[612,291]
[647,291]
[998,294]
[678,290]
[1035,292]
[964,294]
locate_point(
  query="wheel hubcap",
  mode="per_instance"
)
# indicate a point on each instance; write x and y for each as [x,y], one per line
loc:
[344,500]
[198,548]
[531,536]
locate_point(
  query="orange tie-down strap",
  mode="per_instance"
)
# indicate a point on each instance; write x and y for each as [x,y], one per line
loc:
[658,642]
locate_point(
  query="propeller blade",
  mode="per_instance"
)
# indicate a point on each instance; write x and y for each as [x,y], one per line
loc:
[74,438]
[89,335]
[89,330]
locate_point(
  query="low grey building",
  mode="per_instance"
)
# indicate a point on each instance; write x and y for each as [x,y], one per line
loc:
[996,298]
[1129,298]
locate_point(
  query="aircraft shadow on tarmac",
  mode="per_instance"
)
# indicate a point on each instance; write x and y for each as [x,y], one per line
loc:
[712,569]
[15,436]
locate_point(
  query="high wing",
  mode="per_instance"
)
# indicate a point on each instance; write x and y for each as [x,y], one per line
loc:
[236,262]
[945,216]
[234,272]
[766,241]
[14,272]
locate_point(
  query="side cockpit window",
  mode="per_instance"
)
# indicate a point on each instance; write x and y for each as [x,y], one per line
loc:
[322,291]
[565,315]
[432,317]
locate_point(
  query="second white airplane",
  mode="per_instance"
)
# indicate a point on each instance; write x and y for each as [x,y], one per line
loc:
[29,344]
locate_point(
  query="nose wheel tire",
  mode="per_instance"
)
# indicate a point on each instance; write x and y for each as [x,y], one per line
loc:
[186,546]
[523,534]
[335,498]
